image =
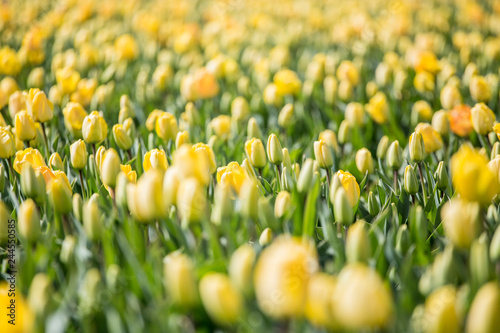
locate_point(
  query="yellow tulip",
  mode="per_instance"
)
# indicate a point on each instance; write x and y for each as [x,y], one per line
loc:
[472,178]
[482,118]
[126,47]
[361,300]
[38,106]
[432,139]
[193,163]
[450,97]
[25,317]
[79,154]
[348,72]
[74,114]
[179,278]
[131,174]
[319,302]
[28,155]
[205,84]
[256,152]
[55,162]
[479,88]
[364,161]
[17,103]
[240,109]
[181,138]
[483,314]
[110,167]
[241,267]
[377,108]
[221,125]
[166,126]
[355,114]
[232,175]
[287,82]
[94,128]
[67,80]
[323,154]
[282,275]
[25,126]
[461,221]
[155,160]
[426,61]
[145,199]
[7,143]
[84,92]
[440,312]
[208,152]
[350,185]
[60,196]
[29,221]
[123,141]
[191,200]
[424,82]
[151,120]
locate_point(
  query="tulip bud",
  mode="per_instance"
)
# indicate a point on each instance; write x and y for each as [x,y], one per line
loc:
[479,89]
[483,313]
[382,147]
[394,157]
[417,148]
[282,204]
[373,205]
[191,201]
[78,206]
[24,126]
[40,294]
[92,223]
[7,143]
[305,176]
[94,128]
[461,222]
[344,132]
[440,122]
[55,162]
[60,196]
[29,221]
[220,299]
[357,247]
[166,126]
[179,278]
[239,109]
[440,313]
[323,154]
[110,167]
[342,207]
[256,152]
[334,186]
[266,237]
[403,241]
[249,197]
[32,185]
[355,114]
[241,267]
[123,141]
[450,96]
[410,178]
[482,118]
[441,176]
[330,86]
[285,117]
[495,150]
[78,154]
[364,161]
[274,150]
[181,139]
[479,262]
[330,139]
[253,129]
[223,204]
[345,90]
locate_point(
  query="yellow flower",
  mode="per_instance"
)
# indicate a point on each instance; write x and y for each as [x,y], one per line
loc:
[74,114]
[378,108]
[361,300]
[67,80]
[350,185]
[179,278]
[78,154]
[192,163]
[440,312]
[282,275]
[432,139]
[17,102]
[131,174]
[220,299]
[461,222]
[287,82]
[145,199]
[166,126]
[85,91]
[123,141]
[94,128]
[323,154]
[450,96]
[424,82]
[24,316]
[38,106]
[155,159]
[482,118]
[110,167]
[348,72]
[472,178]
[205,85]
[426,61]
[483,314]
[221,125]
[271,96]
[191,200]
[126,47]
[364,161]
[319,307]
[330,139]
[256,152]
[151,120]
[233,175]
[28,155]
[422,110]
[209,153]
[7,143]
[479,88]
[9,62]
[25,126]
[241,268]
[496,128]
[29,221]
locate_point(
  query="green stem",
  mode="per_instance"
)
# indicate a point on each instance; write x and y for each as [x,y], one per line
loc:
[422,182]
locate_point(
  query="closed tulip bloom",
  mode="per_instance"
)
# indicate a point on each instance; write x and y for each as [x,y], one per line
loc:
[29,221]
[79,154]
[471,177]
[482,118]
[483,315]
[461,222]
[426,61]
[94,128]
[151,120]
[92,223]
[440,312]
[129,173]
[126,47]
[99,157]
[361,300]
[74,114]
[330,139]
[440,122]
[221,126]
[155,159]
[357,243]
[25,126]
[205,84]
[494,166]
[287,82]
[253,129]
[17,103]
[347,71]
[180,280]
[496,128]
[330,86]
[410,180]
[206,150]
[271,95]
[28,155]
[194,162]
[220,299]
[191,200]
[350,185]
[240,268]
[319,307]
[256,152]
[424,82]
[355,114]
[432,139]
[274,150]
[60,196]
[323,154]
[282,204]
[145,199]
[32,184]
[460,120]
[166,126]
[382,147]
[181,138]
[450,97]
[110,167]
[123,141]
[240,109]
[479,89]
[377,108]
[417,147]
[55,162]
[364,161]
[343,211]
[67,80]
[282,275]
[285,117]
[38,106]
[7,143]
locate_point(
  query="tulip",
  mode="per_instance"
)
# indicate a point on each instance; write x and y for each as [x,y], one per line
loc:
[55,162]
[373,206]
[206,150]
[282,204]
[179,278]
[78,154]
[424,82]
[24,126]
[410,180]
[460,120]
[350,185]
[256,152]
[221,126]
[67,80]
[17,103]
[440,313]
[432,139]
[364,161]
[29,221]
[223,203]
[330,139]
[145,199]
[421,110]
[94,128]
[220,299]
[440,122]
[38,106]
[241,267]
[40,293]
[450,97]
[32,184]
[74,114]
[110,167]
[249,196]
[482,118]
[361,300]
[483,314]
[441,177]
[60,196]
[377,108]
[342,207]
[7,143]
[197,161]
[123,141]
[271,95]
[305,176]
[282,274]
[287,82]
[319,307]
[265,237]
[166,126]
[417,147]
[357,246]
[347,71]
[323,154]
[355,114]
[92,223]
[181,138]
[382,147]
[253,129]
[330,87]
[461,222]
[155,160]
[28,156]
[240,109]
[345,132]
[78,206]
[479,89]
[274,150]
[151,120]
[191,200]
[285,117]
[426,61]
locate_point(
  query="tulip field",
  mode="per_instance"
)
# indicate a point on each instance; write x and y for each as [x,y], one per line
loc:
[250,166]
